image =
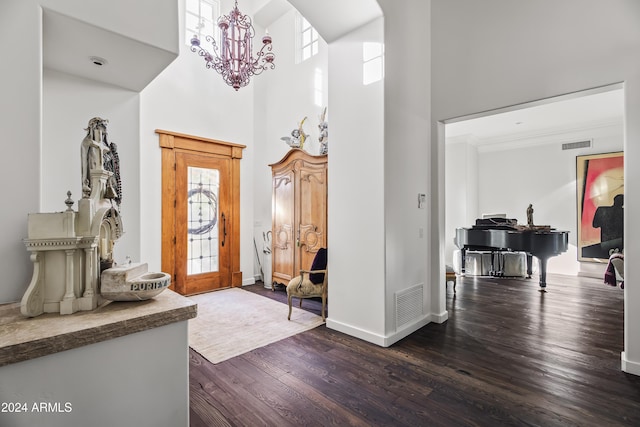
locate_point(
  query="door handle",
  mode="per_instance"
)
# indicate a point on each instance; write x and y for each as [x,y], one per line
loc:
[224,229]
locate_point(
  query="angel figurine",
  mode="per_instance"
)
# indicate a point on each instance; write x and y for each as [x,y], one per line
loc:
[297,138]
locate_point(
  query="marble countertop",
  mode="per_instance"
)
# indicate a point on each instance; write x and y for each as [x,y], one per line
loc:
[23,338]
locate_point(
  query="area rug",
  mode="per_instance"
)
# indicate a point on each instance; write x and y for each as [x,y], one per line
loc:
[233,321]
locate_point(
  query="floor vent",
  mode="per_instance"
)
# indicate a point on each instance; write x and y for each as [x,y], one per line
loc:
[574,145]
[408,305]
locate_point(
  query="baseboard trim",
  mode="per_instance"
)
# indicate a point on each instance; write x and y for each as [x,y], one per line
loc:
[377,339]
[407,330]
[440,318]
[355,332]
[628,366]
[250,281]
[590,275]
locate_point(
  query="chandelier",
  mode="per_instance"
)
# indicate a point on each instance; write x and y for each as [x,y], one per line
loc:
[234,60]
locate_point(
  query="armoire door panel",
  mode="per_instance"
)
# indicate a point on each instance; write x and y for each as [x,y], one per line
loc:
[311,237]
[283,231]
[313,205]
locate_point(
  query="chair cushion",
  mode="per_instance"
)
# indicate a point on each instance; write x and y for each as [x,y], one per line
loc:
[299,287]
[319,263]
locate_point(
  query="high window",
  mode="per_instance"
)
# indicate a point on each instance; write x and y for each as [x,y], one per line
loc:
[372,62]
[307,39]
[200,19]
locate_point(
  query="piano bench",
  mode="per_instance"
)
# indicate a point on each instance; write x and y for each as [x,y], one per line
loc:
[450,276]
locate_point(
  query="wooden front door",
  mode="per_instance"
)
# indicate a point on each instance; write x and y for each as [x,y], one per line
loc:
[200,212]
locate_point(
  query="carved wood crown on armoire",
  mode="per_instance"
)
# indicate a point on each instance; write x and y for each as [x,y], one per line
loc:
[299,213]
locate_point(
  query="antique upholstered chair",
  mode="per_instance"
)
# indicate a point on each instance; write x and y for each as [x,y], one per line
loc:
[450,276]
[310,283]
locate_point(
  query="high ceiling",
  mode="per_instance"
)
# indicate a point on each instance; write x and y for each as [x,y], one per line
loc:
[68,43]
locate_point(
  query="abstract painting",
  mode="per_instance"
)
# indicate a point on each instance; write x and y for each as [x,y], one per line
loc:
[600,191]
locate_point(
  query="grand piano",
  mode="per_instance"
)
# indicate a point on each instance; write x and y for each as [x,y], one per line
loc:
[502,234]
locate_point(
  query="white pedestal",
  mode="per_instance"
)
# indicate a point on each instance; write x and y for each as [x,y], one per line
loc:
[266,268]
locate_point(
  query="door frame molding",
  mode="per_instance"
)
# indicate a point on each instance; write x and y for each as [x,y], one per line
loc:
[170,143]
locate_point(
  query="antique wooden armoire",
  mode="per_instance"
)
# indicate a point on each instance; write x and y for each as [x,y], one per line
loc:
[299,213]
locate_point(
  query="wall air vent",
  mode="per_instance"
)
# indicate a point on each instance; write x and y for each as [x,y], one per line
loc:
[574,145]
[408,305]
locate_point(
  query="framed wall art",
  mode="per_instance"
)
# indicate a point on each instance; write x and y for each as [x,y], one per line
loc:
[600,197]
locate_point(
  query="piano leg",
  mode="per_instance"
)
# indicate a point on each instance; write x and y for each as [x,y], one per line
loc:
[499,259]
[496,264]
[529,265]
[463,261]
[543,273]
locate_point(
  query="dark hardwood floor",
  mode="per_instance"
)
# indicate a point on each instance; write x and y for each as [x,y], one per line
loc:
[508,355]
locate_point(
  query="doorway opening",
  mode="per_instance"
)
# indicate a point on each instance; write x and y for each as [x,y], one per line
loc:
[500,161]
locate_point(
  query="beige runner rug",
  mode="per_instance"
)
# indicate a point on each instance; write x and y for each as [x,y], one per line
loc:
[233,321]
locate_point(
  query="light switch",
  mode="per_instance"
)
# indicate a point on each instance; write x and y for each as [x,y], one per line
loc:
[421,199]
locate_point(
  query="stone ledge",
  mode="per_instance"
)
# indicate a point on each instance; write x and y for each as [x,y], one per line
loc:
[23,338]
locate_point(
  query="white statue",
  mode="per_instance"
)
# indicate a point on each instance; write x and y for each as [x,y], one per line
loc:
[91,151]
[323,137]
[77,246]
[98,154]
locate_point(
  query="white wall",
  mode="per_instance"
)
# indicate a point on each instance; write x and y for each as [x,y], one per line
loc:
[378,164]
[406,161]
[20,123]
[356,191]
[139,380]
[483,61]
[68,103]
[461,189]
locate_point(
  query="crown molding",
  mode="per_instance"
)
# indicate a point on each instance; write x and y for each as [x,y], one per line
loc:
[558,135]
